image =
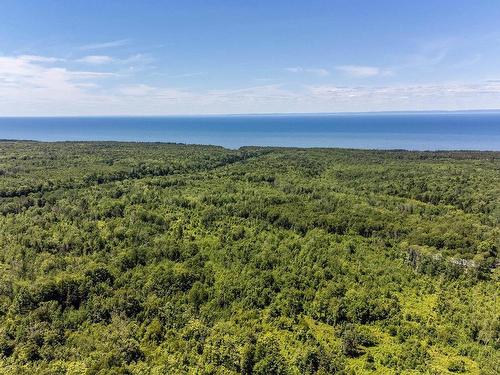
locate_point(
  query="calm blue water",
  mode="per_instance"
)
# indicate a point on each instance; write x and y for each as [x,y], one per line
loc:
[412,131]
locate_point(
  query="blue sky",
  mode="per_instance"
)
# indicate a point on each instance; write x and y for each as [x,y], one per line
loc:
[197,57]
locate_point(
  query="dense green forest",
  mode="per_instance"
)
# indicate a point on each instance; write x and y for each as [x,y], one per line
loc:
[131,258]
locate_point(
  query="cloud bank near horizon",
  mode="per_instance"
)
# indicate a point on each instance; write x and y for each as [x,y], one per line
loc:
[47,85]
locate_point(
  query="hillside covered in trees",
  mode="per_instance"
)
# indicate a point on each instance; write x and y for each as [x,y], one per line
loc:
[129,258]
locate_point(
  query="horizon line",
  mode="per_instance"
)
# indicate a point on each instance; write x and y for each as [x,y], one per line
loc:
[437,111]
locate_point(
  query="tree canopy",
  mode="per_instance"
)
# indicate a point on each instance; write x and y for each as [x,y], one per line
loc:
[150,258]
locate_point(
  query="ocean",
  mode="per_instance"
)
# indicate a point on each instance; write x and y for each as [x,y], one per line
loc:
[410,131]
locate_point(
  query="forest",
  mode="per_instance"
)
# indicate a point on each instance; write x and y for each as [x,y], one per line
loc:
[157,258]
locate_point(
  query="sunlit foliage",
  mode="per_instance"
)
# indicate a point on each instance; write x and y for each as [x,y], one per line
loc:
[129,258]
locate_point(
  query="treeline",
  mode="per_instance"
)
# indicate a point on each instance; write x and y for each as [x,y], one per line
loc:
[125,258]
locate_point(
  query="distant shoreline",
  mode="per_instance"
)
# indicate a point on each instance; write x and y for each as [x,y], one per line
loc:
[249,146]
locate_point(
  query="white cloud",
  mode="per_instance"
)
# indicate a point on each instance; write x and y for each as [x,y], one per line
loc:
[40,59]
[446,96]
[255,94]
[134,63]
[317,71]
[28,84]
[104,45]
[137,62]
[186,75]
[429,53]
[363,71]
[39,85]
[96,59]
[151,92]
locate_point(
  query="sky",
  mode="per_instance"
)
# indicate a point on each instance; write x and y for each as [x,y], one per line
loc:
[124,57]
